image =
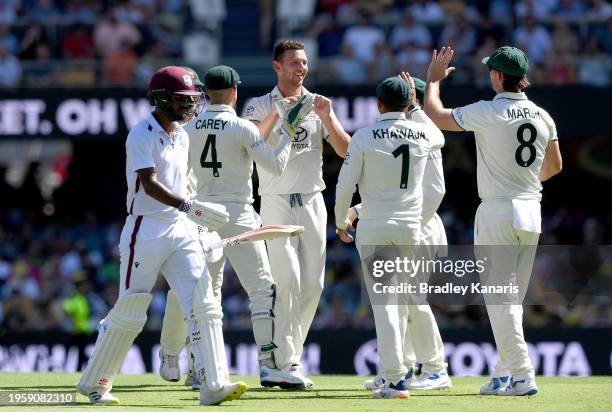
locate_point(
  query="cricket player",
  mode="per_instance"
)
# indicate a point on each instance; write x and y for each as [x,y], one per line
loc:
[517,149]
[420,334]
[222,149]
[294,198]
[387,160]
[158,236]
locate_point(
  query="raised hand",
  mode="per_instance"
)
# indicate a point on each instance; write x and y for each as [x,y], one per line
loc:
[322,106]
[438,68]
[408,79]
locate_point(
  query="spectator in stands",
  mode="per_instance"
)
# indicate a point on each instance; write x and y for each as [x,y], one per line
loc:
[82,11]
[40,73]
[119,66]
[427,11]
[500,10]
[594,67]
[266,18]
[8,11]
[34,35]
[412,58]
[364,39]
[560,69]
[410,31]
[347,68]
[533,39]
[8,39]
[569,10]
[44,11]
[600,11]
[488,46]
[331,6]
[78,43]
[604,35]
[114,33]
[167,31]
[460,35]
[329,37]
[563,38]
[10,69]
[538,9]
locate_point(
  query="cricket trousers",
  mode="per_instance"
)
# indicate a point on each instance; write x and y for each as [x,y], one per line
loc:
[511,253]
[149,246]
[298,268]
[250,261]
[420,334]
[387,239]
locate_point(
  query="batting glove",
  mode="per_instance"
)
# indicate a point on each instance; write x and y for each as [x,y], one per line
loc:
[210,215]
[206,239]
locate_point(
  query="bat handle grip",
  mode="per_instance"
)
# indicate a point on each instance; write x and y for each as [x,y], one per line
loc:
[220,244]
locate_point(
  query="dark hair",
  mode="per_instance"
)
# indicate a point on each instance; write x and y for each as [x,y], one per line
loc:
[514,83]
[392,107]
[283,46]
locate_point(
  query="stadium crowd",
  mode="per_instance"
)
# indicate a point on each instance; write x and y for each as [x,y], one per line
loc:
[65,275]
[116,43]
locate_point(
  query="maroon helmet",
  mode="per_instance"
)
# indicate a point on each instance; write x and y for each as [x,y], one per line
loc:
[173,80]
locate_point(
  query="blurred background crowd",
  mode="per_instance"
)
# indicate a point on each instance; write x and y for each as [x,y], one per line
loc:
[120,42]
[60,270]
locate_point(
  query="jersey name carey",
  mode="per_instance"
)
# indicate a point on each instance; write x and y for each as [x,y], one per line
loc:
[393,133]
[522,113]
[215,124]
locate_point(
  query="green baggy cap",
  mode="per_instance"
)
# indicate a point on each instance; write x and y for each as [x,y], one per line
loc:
[508,60]
[394,92]
[221,77]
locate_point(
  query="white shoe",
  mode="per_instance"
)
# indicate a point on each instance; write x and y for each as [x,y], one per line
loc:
[519,388]
[391,391]
[494,385]
[290,377]
[429,381]
[229,392]
[169,367]
[374,384]
[99,396]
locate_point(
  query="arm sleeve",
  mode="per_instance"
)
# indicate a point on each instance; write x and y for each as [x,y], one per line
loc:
[550,123]
[139,152]
[350,174]
[473,117]
[433,133]
[253,111]
[273,160]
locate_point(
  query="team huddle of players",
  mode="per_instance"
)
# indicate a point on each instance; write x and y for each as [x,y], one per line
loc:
[189,181]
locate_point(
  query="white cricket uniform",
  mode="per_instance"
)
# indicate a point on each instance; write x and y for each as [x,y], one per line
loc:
[294,198]
[157,237]
[221,153]
[421,336]
[512,134]
[388,161]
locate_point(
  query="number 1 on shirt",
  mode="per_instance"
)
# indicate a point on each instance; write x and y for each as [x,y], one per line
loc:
[404,151]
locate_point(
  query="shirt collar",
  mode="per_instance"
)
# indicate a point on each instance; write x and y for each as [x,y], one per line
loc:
[393,116]
[220,108]
[276,93]
[510,95]
[155,127]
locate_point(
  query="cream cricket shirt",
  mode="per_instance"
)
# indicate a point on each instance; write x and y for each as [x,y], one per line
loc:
[303,173]
[148,145]
[512,134]
[221,152]
[387,160]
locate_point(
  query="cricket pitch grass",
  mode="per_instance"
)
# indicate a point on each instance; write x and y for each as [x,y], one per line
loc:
[332,393]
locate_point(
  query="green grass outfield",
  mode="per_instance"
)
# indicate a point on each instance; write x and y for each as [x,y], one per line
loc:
[150,392]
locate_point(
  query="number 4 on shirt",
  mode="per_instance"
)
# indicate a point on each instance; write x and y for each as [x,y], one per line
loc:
[211,144]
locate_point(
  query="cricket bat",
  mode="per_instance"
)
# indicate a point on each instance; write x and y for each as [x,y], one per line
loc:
[261,233]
